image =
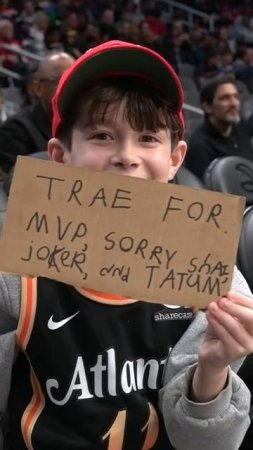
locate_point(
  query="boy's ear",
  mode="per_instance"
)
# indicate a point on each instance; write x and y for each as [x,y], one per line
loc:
[56,150]
[177,157]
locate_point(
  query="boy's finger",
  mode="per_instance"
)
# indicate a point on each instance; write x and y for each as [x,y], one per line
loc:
[234,327]
[240,299]
[242,311]
[225,336]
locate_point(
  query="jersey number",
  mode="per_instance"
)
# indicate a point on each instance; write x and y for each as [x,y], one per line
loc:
[116,432]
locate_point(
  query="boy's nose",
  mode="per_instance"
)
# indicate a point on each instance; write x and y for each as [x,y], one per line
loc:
[125,157]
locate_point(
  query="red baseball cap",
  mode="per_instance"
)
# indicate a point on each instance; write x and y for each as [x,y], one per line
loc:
[116,58]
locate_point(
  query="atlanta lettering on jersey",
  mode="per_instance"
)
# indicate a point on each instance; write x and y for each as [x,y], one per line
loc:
[107,378]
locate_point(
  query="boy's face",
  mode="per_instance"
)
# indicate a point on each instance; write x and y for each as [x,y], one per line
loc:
[113,146]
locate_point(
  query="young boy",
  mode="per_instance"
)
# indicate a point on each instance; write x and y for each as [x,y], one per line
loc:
[95,371]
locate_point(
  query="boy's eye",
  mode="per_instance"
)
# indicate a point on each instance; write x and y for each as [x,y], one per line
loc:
[149,138]
[102,136]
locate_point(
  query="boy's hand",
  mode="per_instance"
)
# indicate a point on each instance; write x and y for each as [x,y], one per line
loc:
[229,334]
[229,337]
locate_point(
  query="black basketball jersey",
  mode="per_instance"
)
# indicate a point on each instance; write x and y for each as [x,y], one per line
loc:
[89,370]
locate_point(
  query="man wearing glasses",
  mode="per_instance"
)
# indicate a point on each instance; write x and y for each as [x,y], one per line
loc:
[29,130]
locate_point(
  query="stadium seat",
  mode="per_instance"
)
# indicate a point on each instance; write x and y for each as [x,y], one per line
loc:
[231,174]
[186,178]
[245,250]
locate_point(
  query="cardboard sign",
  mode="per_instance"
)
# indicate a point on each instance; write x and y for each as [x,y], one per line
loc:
[141,239]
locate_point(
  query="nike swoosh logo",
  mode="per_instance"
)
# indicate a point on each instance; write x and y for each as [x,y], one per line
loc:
[53,325]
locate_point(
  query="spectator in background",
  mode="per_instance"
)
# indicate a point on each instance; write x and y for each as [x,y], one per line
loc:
[7,108]
[210,69]
[129,31]
[223,43]
[29,84]
[71,23]
[7,9]
[226,64]
[8,59]
[166,47]
[155,22]
[179,31]
[242,28]
[89,38]
[223,133]
[198,48]
[147,37]
[29,130]
[107,27]
[28,12]
[49,7]
[37,33]
[70,43]
[53,38]
[131,10]
[244,69]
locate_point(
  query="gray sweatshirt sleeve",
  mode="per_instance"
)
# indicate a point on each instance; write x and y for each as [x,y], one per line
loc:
[9,312]
[219,424]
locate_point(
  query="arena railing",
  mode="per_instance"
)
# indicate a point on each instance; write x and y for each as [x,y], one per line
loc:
[21,52]
[171,8]
[10,74]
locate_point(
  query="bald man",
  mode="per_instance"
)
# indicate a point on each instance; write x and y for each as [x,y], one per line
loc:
[29,130]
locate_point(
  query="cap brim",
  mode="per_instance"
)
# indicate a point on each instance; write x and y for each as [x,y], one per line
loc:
[127,62]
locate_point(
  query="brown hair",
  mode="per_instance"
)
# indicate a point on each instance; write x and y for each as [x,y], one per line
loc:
[145,107]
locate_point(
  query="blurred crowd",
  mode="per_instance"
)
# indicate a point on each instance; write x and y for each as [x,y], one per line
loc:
[198,54]
[76,25]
